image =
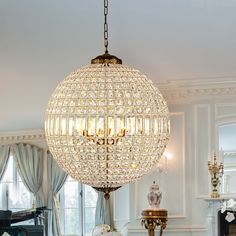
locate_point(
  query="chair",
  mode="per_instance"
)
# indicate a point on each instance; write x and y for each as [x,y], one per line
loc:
[101,229]
[104,230]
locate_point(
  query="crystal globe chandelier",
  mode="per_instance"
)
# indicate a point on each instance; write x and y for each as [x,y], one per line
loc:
[107,124]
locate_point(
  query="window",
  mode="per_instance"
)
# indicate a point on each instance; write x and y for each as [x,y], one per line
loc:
[13,193]
[227,150]
[78,204]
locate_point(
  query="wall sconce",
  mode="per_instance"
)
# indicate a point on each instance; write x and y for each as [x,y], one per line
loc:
[162,166]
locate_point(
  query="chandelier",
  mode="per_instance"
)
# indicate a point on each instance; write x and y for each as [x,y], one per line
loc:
[107,124]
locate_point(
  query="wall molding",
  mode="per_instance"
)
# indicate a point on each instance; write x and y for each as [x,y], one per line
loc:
[189,90]
[115,218]
[196,145]
[179,228]
[183,213]
[120,225]
[22,136]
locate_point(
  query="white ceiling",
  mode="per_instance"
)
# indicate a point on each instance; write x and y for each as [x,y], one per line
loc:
[42,41]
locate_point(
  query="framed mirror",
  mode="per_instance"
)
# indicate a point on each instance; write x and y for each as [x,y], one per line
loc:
[227,150]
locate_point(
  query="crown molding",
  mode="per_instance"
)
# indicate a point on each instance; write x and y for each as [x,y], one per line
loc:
[22,136]
[189,90]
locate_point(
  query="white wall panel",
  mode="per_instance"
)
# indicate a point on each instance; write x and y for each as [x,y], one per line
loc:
[202,148]
[172,183]
[181,230]
[121,198]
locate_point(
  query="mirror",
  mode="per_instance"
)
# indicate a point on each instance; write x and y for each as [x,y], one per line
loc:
[227,148]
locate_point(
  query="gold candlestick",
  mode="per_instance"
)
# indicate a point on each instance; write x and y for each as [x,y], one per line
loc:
[216,170]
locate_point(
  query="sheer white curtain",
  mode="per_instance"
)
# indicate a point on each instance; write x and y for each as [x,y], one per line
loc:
[29,162]
[102,214]
[57,178]
[4,156]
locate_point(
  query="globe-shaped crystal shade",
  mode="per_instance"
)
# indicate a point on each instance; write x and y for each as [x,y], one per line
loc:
[107,125]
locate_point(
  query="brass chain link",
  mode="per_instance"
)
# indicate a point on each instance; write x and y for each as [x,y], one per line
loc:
[105,25]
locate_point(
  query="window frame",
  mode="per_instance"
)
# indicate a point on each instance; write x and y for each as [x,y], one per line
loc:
[81,209]
[15,181]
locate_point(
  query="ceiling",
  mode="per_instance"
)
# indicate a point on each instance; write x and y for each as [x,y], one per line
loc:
[43,41]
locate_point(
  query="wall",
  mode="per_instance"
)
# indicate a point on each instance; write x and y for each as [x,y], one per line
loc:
[197,108]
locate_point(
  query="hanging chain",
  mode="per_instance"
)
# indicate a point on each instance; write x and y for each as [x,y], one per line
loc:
[106,58]
[105,25]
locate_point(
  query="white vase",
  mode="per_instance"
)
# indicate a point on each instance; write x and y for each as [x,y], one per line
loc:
[154,196]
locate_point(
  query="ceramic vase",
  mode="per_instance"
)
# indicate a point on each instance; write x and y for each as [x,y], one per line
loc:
[154,196]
